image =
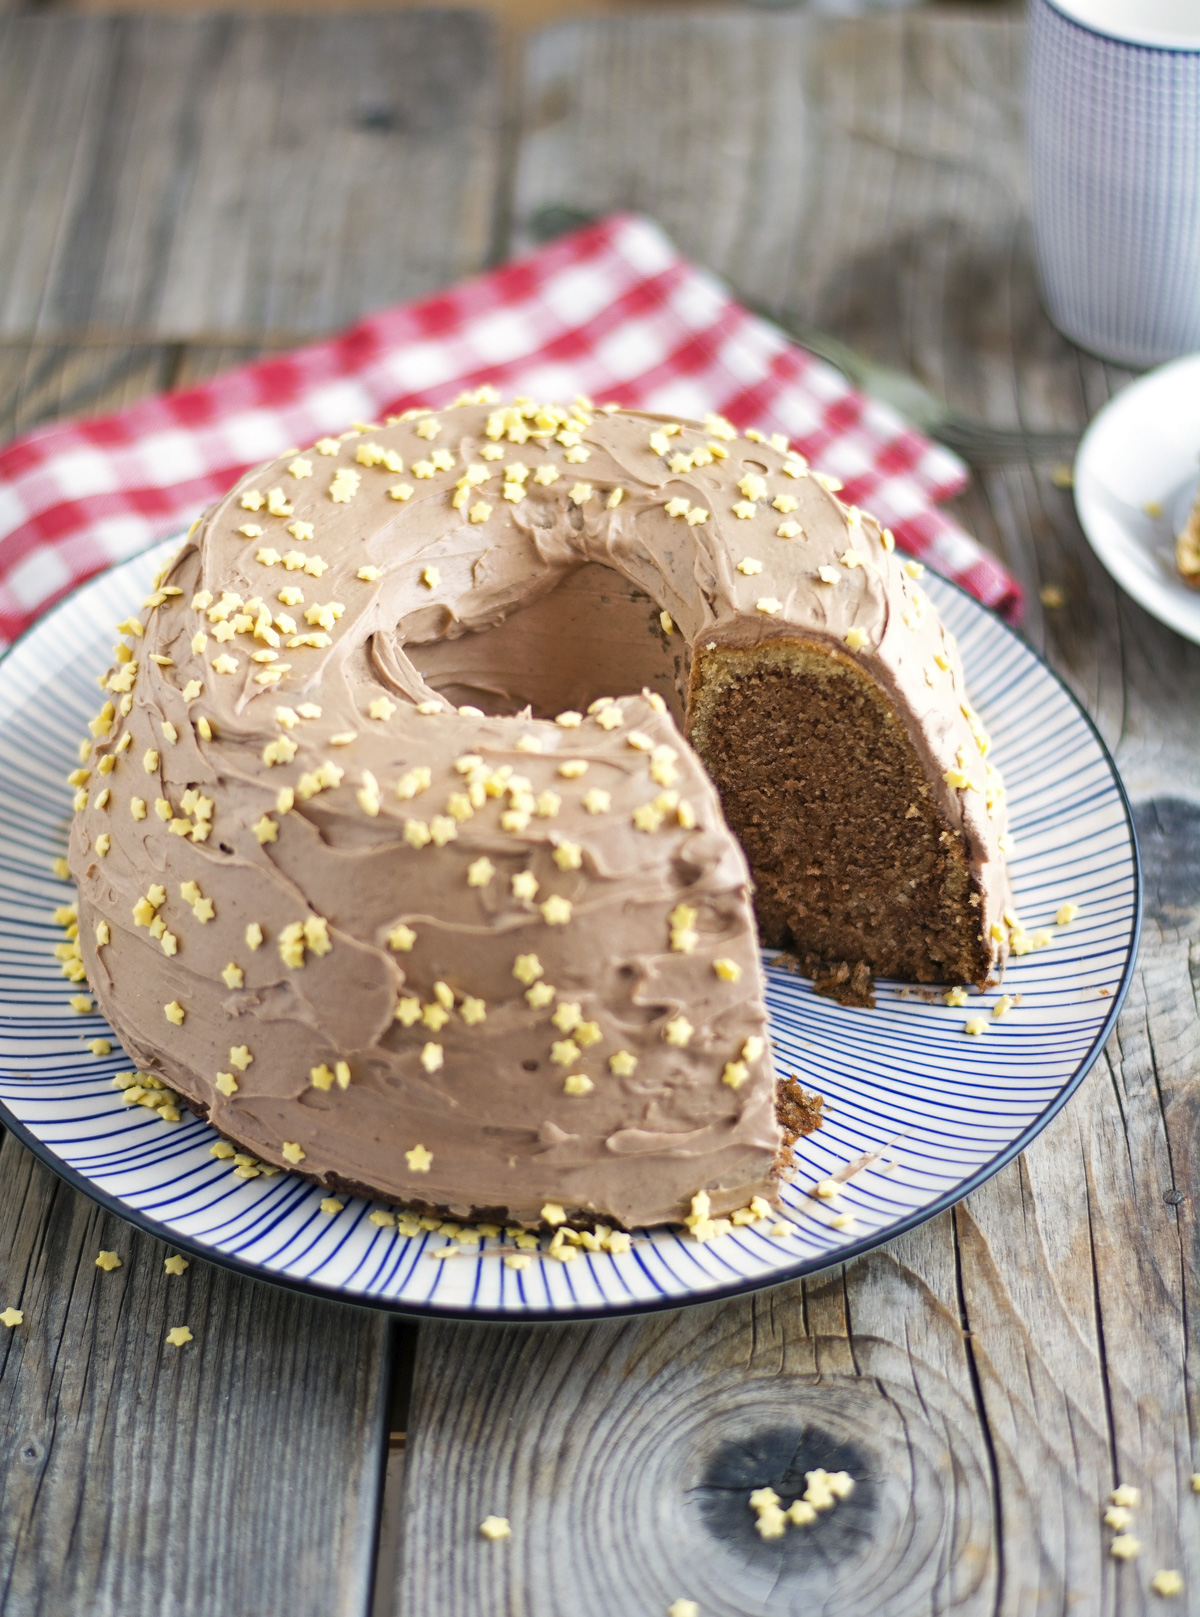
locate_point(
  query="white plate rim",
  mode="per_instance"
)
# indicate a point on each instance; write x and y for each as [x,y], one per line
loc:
[742,1286]
[1172,603]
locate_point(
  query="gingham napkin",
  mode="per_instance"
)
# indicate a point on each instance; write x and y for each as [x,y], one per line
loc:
[611,311]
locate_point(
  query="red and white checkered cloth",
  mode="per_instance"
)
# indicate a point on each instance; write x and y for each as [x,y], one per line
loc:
[611,311]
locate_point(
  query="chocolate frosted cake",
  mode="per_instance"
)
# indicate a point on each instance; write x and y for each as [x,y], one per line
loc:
[393,858]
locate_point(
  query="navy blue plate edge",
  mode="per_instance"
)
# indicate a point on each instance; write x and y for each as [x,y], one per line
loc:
[652,1305]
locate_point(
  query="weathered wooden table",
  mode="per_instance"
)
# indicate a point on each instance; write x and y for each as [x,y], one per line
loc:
[176,194]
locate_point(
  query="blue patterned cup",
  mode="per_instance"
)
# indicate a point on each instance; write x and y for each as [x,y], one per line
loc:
[1114,152]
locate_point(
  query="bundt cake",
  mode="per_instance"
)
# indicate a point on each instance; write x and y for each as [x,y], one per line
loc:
[393,858]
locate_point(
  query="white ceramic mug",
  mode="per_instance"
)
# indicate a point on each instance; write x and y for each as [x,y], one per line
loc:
[1113,106]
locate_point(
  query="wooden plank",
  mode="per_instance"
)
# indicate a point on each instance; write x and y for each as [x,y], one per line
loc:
[237,1473]
[1000,1370]
[216,171]
[712,95]
[42,382]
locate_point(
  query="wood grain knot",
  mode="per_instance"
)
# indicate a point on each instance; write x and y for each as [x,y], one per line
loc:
[650,1495]
[778,1457]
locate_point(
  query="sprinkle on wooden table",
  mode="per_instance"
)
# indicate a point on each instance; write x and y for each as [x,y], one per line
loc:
[108,1261]
[175,1265]
[1125,1547]
[683,1608]
[495,1527]
[178,1335]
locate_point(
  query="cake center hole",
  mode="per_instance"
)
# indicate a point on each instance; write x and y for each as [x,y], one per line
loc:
[596,634]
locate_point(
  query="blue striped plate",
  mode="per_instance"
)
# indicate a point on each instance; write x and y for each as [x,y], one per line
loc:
[917,1111]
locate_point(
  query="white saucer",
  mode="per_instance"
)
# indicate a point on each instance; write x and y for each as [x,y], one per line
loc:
[1136,474]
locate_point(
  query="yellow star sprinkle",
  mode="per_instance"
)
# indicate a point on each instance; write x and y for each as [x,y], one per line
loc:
[179,1335]
[175,1265]
[108,1261]
[527,968]
[293,1151]
[495,1527]
[556,911]
[678,1031]
[174,1012]
[11,1317]
[419,1160]
[480,873]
